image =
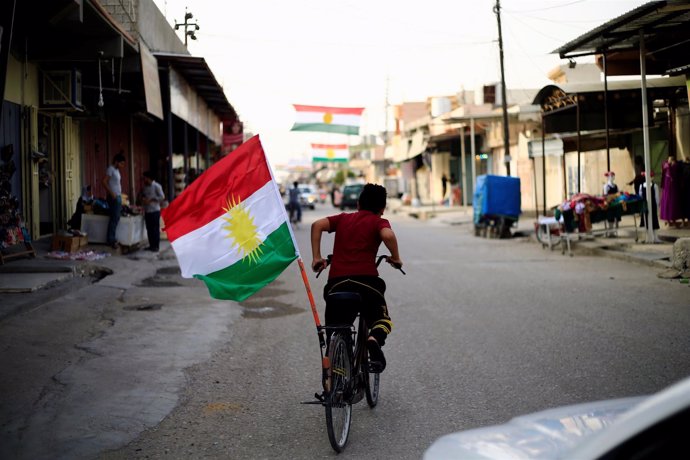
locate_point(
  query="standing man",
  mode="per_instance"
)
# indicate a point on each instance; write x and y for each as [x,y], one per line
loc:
[151,197]
[293,204]
[113,187]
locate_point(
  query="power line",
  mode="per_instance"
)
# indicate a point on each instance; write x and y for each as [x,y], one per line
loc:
[547,8]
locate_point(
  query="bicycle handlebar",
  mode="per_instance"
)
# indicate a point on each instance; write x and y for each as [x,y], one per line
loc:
[328,262]
[396,266]
[378,262]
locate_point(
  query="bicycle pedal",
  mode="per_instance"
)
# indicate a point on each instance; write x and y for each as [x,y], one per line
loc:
[319,399]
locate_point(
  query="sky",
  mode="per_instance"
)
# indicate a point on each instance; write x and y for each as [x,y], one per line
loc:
[270,54]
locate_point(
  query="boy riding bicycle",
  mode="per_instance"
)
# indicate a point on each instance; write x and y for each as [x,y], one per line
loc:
[358,236]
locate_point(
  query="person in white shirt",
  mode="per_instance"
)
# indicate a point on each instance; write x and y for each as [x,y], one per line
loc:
[151,197]
[112,181]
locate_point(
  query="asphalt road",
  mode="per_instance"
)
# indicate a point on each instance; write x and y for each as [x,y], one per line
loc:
[484,330]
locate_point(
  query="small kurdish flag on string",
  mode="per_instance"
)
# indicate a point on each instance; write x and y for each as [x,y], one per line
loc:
[330,152]
[341,120]
[229,228]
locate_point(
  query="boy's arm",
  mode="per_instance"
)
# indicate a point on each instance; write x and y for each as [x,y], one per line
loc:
[391,242]
[317,228]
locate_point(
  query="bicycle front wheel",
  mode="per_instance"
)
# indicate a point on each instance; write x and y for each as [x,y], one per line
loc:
[338,407]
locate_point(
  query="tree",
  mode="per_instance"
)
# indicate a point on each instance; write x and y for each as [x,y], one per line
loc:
[339,178]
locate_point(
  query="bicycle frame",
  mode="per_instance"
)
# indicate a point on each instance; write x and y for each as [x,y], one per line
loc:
[357,356]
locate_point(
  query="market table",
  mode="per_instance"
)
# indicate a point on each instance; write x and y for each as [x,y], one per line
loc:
[130,230]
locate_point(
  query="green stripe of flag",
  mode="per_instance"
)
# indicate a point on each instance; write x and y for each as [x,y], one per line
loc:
[340,129]
[242,279]
[329,160]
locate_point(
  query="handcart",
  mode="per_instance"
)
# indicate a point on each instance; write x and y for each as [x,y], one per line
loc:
[496,205]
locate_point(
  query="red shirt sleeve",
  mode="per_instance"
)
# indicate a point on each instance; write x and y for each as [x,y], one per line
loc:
[333,221]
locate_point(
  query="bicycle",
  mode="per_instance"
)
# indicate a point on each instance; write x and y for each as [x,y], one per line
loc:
[347,376]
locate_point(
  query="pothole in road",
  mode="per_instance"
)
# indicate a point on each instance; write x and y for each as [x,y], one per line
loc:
[168,271]
[144,307]
[274,310]
[263,304]
[164,277]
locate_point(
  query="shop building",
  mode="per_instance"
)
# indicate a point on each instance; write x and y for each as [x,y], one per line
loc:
[635,125]
[85,80]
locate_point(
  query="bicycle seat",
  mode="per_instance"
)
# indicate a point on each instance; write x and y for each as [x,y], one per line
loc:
[343,298]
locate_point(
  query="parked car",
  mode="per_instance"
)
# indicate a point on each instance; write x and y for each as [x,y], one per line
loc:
[350,196]
[641,427]
[308,196]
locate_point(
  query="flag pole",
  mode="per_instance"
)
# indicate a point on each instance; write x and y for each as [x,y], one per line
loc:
[312,303]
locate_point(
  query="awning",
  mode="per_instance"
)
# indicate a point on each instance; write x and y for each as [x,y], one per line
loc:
[598,87]
[151,82]
[76,31]
[560,104]
[666,26]
[197,73]
[416,145]
[523,112]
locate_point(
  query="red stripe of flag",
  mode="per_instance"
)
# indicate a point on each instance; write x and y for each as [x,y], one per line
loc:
[329,146]
[323,109]
[238,175]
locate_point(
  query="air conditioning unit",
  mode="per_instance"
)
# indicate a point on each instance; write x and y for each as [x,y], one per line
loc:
[61,89]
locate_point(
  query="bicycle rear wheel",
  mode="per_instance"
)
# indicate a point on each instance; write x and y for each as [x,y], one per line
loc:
[338,407]
[372,381]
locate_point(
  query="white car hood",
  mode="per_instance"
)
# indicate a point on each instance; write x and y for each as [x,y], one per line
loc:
[550,434]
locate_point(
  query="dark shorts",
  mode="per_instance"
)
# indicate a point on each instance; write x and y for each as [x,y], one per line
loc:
[373,306]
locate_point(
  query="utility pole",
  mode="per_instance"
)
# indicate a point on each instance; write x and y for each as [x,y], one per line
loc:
[506,130]
[387,105]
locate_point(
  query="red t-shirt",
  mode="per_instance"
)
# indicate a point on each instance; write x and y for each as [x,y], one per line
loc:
[357,241]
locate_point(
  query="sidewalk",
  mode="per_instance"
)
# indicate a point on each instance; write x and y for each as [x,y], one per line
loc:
[622,247]
[24,281]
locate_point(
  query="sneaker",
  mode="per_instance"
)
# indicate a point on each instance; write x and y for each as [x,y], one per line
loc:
[377,362]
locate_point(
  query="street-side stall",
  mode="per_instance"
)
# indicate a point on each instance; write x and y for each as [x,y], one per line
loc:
[92,220]
[131,229]
[579,215]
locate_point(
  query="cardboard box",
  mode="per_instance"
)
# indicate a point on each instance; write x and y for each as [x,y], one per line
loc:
[68,243]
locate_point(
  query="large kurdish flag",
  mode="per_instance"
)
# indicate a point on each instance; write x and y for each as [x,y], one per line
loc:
[342,120]
[229,227]
[330,152]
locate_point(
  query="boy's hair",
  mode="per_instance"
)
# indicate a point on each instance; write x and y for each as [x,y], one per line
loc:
[119,158]
[372,198]
[149,175]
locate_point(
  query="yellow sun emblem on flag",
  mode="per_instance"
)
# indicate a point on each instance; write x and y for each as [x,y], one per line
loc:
[242,230]
[330,153]
[328,118]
